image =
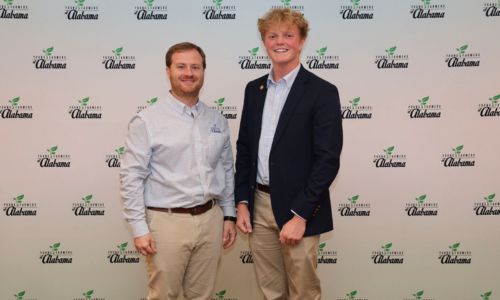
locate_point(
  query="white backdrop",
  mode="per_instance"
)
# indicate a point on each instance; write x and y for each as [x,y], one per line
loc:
[416,209]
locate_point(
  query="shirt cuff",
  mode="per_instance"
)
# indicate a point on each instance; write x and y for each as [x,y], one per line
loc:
[298,215]
[139,229]
[228,211]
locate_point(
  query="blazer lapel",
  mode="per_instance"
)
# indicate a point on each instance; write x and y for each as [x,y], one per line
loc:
[293,98]
[260,100]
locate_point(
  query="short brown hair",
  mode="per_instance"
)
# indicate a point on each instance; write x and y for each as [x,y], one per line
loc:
[283,16]
[184,46]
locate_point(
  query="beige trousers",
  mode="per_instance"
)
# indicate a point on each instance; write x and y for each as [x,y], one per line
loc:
[283,272]
[188,253]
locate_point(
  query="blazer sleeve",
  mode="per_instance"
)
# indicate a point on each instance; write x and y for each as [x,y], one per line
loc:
[327,146]
[243,154]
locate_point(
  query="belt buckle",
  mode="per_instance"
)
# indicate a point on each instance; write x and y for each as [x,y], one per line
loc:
[194,211]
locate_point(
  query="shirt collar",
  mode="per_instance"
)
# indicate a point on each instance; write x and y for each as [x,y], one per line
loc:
[288,79]
[182,108]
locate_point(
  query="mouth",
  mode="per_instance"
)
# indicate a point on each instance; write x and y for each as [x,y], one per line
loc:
[280,50]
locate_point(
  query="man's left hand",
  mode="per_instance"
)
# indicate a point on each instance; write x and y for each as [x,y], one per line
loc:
[293,231]
[229,234]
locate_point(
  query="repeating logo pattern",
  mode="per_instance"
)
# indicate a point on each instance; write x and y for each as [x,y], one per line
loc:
[356,110]
[229,112]
[118,61]
[427,9]
[52,159]
[11,10]
[56,255]
[326,256]
[16,110]
[122,255]
[389,159]
[491,109]
[491,9]
[421,206]
[354,207]
[49,60]
[80,10]
[357,10]
[424,110]
[455,256]
[88,207]
[85,110]
[114,160]
[291,4]
[253,60]
[392,60]
[387,255]
[219,10]
[19,207]
[488,207]
[151,11]
[462,58]
[321,60]
[458,158]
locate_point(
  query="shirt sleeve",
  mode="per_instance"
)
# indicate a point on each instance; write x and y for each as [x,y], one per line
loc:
[227,202]
[134,171]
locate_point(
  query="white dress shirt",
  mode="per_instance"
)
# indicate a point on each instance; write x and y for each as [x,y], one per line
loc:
[277,92]
[176,157]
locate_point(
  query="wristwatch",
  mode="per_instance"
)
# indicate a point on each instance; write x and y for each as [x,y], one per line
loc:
[229,218]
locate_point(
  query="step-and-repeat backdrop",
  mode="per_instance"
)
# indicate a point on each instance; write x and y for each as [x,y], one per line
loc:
[416,202]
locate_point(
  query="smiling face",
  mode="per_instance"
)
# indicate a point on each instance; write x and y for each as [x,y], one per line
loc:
[283,43]
[186,74]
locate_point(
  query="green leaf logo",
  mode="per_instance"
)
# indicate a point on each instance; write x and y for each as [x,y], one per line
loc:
[88,294]
[118,51]
[19,199]
[122,247]
[322,51]
[84,101]
[426,2]
[461,50]
[321,246]
[52,150]
[454,247]
[486,296]
[8,2]
[389,150]
[391,51]
[351,295]
[387,247]
[152,101]
[48,51]
[286,2]
[489,198]
[493,99]
[87,199]
[220,102]
[217,3]
[418,295]
[354,102]
[458,149]
[253,51]
[120,150]
[421,199]
[424,100]
[79,2]
[354,199]
[355,2]
[14,102]
[55,247]
[149,3]
[20,295]
[220,294]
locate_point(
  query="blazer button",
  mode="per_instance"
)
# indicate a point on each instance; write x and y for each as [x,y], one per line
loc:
[253,187]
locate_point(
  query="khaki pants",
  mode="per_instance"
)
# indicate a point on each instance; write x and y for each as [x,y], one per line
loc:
[283,272]
[189,250]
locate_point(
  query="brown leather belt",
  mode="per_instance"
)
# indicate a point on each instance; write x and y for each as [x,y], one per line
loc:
[264,188]
[196,210]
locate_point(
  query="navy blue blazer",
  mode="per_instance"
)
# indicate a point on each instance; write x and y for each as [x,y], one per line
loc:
[305,153]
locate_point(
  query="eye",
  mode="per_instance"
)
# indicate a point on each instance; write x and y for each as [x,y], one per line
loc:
[196,67]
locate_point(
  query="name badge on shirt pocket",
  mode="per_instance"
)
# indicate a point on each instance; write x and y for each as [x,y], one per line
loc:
[215,129]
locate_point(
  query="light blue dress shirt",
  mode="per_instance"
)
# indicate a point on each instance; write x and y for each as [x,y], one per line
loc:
[176,157]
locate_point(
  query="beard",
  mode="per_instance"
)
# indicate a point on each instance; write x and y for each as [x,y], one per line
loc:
[181,91]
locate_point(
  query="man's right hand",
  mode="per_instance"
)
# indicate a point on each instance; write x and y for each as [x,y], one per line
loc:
[145,244]
[243,218]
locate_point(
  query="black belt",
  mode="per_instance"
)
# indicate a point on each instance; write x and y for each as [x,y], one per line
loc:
[196,210]
[264,188]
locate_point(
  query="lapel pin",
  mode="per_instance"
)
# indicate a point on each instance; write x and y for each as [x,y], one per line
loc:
[261,87]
